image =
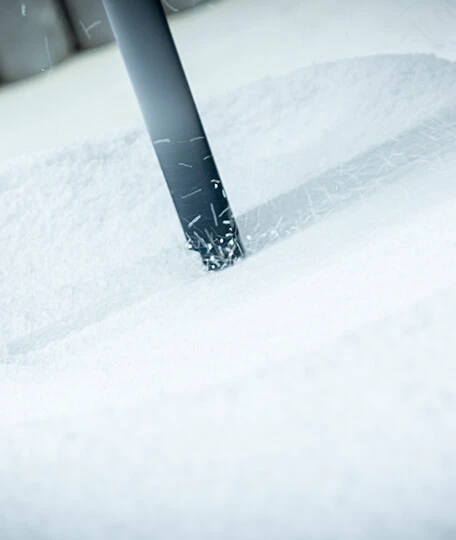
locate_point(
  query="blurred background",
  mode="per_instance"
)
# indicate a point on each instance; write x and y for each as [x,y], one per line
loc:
[62,78]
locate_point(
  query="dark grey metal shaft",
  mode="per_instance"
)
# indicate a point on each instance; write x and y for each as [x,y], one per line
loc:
[153,63]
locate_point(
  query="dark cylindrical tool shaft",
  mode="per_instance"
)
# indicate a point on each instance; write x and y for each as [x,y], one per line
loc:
[171,116]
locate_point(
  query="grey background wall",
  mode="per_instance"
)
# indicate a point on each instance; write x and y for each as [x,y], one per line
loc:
[35,35]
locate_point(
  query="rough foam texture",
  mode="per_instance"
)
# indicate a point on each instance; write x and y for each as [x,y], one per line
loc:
[95,220]
[306,393]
